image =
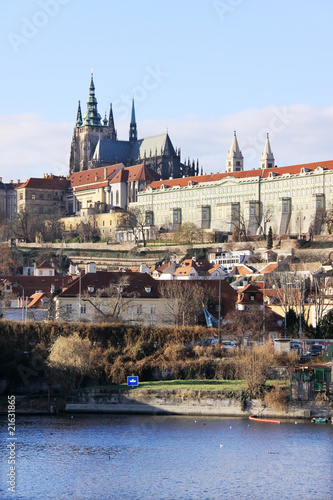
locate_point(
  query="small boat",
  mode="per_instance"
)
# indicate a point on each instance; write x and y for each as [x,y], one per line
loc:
[320,420]
[265,420]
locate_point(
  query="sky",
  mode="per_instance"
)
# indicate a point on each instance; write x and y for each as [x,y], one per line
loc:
[199,69]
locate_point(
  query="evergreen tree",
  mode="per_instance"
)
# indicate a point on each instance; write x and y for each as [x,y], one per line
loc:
[270,239]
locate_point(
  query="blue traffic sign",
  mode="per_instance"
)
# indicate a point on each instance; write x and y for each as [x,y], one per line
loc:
[133,381]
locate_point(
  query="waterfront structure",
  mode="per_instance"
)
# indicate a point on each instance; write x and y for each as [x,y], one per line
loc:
[293,200]
[95,143]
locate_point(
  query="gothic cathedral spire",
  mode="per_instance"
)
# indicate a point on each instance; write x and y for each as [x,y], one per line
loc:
[133,136]
[92,117]
[112,129]
[79,116]
[267,159]
[235,160]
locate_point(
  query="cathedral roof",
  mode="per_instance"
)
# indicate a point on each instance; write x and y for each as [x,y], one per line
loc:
[114,150]
[157,144]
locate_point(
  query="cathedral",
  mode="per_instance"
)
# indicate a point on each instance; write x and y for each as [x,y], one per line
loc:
[95,144]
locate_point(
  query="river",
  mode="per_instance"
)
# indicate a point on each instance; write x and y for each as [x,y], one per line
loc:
[167,457]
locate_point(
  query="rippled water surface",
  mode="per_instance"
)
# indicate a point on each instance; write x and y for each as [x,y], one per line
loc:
[157,457]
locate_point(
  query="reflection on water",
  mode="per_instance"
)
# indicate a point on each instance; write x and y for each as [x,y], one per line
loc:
[166,457]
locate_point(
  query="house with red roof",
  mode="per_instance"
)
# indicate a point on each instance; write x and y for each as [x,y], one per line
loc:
[42,196]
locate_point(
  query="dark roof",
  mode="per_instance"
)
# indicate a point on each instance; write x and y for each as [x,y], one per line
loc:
[33,283]
[138,284]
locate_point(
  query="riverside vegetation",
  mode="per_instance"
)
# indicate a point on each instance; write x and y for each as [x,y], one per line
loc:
[66,356]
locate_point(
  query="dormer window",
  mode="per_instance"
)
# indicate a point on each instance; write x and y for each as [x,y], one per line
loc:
[91,289]
[147,289]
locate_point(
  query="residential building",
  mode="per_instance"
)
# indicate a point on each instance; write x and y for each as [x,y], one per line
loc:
[113,295]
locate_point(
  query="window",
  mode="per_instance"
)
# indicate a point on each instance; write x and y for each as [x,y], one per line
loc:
[33,196]
[139,309]
[50,273]
[152,309]
[252,297]
[40,273]
[83,309]
[69,308]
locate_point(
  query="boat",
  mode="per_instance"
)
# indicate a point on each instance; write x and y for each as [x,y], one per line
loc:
[320,420]
[265,420]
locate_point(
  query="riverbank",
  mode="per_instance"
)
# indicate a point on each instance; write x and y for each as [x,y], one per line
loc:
[188,402]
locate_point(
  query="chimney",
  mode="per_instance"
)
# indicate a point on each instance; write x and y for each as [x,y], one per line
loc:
[143,269]
[0,179]
[90,267]
[18,181]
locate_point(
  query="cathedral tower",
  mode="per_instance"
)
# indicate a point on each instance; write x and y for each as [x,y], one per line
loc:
[235,160]
[267,159]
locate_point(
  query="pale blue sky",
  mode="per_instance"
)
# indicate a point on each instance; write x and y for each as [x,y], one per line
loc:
[200,68]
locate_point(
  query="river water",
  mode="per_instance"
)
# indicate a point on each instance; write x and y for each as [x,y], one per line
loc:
[167,457]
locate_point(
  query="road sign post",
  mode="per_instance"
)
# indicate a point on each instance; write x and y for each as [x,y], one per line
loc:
[133,381]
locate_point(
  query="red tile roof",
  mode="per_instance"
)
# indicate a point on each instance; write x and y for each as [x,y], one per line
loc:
[47,182]
[99,177]
[45,265]
[278,171]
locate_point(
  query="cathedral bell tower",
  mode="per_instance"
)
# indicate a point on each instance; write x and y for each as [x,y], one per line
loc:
[235,160]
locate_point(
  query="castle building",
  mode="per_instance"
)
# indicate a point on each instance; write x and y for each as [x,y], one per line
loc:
[95,144]
[43,196]
[7,200]
[292,200]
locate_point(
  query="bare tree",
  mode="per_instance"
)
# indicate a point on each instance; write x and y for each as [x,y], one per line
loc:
[264,218]
[184,301]
[188,233]
[134,221]
[111,302]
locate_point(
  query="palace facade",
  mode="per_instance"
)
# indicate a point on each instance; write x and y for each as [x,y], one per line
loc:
[293,200]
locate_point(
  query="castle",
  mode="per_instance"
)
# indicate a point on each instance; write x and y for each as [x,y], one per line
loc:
[95,144]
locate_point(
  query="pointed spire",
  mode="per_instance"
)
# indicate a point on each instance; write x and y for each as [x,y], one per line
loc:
[105,121]
[235,160]
[267,159]
[112,128]
[79,116]
[92,117]
[133,137]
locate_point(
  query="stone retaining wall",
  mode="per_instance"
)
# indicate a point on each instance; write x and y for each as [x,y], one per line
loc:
[184,402]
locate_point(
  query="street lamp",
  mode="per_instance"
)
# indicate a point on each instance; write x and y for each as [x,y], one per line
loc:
[23,315]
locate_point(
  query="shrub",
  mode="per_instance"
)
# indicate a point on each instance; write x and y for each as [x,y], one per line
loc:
[277,398]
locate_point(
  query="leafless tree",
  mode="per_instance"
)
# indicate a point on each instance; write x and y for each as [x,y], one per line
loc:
[184,301]
[134,221]
[111,302]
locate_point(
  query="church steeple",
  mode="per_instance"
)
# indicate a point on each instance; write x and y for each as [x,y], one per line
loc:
[267,159]
[79,116]
[235,160]
[112,129]
[133,137]
[92,117]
